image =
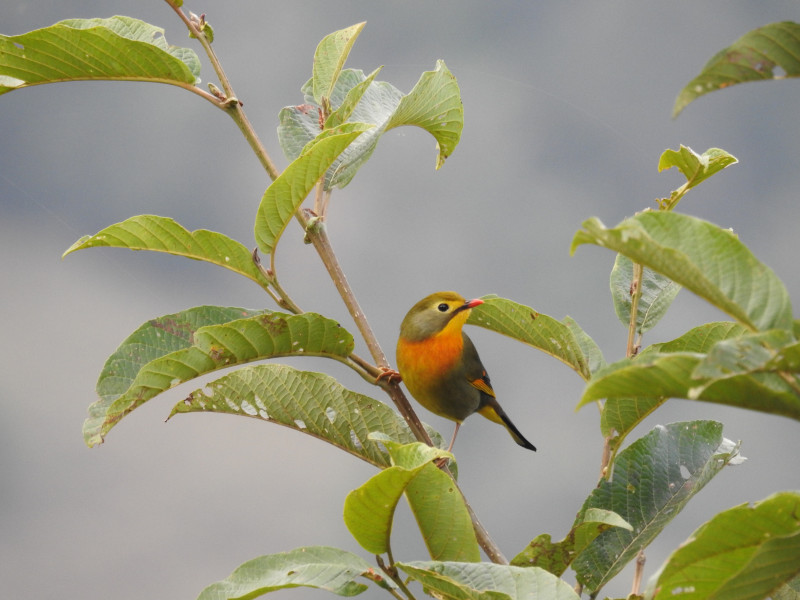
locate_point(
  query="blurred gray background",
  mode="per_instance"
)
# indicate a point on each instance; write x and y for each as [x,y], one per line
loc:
[567,108]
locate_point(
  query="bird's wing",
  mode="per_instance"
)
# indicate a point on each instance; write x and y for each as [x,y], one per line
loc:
[476,373]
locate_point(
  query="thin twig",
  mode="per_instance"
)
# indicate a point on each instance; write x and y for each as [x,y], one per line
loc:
[638,572]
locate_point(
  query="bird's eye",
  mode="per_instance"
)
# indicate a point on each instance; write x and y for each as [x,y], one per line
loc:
[443,307]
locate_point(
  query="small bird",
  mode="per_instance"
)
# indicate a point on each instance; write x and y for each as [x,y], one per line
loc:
[440,366]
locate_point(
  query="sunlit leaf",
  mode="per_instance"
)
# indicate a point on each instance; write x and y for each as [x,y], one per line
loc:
[118,48]
[319,567]
[652,481]
[436,503]
[744,553]
[702,257]
[311,403]
[755,56]
[329,59]
[161,234]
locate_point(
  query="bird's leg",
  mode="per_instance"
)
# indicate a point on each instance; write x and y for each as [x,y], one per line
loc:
[453,441]
[389,374]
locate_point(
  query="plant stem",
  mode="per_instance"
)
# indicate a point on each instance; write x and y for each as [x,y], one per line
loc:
[636,293]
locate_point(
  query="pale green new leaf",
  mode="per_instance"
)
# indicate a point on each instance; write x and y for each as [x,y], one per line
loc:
[311,403]
[696,167]
[555,557]
[702,257]
[329,59]
[171,350]
[351,100]
[753,57]
[434,104]
[118,48]
[438,506]
[161,234]
[522,323]
[488,581]
[745,553]
[652,481]
[657,294]
[320,567]
[285,195]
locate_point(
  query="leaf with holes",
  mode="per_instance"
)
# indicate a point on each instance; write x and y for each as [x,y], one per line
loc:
[652,481]
[744,553]
[311,403]
[177,348]
[161,234]
[555,557]
[319,567]
[703,258]
[753,57]
[562,340]
[118,48]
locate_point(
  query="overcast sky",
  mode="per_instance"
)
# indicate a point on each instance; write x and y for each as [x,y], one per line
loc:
[567,110]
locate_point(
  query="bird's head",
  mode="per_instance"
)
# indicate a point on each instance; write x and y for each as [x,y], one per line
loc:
[435,313]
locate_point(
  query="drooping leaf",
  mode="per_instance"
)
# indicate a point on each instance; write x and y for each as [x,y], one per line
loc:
[311,403]
[538,330]
[488,581]
[171,350]
[657,294]
[436,503]
[702,257]
[119,48]
[288,191]
[653,480]
[320,567]
[434,104]
[329,59]
[555,557]
[622,413]
[744,553]
[753,57]
[161,234]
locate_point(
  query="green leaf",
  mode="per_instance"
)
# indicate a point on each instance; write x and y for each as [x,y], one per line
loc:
[312,403]
[329,59]
[351,100]
[744,553]
[562,340]
[696,167]
[318,567]
[119,48]
[171,350]
[652,481]
[487,581]
[753,57]
[436,502]
[285,195]
[702,257]
[657,294]
[622,413]
[556,557]
[161,234]
[434,105]
[742,373]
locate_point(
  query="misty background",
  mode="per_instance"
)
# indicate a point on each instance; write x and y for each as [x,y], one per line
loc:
[567,110]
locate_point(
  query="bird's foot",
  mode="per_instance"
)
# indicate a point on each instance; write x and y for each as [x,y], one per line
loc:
[389,374]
